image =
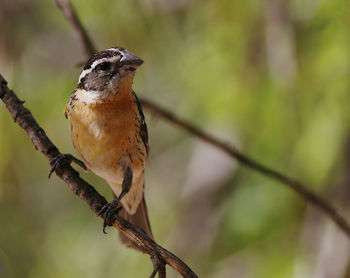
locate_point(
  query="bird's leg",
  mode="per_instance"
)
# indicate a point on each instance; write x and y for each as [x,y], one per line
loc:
[108,211]
[64,159]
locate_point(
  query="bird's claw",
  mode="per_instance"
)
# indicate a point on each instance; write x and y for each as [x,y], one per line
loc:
[108,212]
[64,159]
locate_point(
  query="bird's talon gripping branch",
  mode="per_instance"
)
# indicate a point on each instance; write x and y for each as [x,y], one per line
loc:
[108,212]
[158,266]
[64,159]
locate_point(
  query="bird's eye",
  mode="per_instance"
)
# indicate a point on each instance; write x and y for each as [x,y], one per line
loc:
[104,66]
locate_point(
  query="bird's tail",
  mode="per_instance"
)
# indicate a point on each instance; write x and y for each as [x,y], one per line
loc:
[139,219]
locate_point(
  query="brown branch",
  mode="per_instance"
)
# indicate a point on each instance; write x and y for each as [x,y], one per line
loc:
[70,14]
[85,191]
[298,187]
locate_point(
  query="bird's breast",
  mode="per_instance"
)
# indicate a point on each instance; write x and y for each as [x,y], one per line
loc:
[107,137]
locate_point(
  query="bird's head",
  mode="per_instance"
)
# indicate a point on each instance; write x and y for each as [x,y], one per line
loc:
[108,72]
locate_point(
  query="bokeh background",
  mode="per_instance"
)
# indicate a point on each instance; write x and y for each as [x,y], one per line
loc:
[270,77]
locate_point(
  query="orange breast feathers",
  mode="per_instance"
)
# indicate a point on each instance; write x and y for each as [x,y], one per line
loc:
[107,136]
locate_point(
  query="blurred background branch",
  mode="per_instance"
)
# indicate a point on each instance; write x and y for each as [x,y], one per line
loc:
[317,201]
[69,13]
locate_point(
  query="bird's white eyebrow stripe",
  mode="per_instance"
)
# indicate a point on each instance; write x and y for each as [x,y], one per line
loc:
[114,49]
[112,59]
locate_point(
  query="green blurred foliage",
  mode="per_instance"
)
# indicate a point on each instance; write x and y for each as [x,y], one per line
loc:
[273,74]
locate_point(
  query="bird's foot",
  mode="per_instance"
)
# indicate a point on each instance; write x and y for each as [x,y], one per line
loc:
[108,212]
[64,159]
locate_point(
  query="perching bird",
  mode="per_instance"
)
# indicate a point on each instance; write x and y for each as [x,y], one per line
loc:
[109,132]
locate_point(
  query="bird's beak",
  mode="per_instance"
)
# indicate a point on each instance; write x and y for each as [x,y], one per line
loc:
[130,60]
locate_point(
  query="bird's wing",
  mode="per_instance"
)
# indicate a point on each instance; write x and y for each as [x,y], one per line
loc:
[143,126]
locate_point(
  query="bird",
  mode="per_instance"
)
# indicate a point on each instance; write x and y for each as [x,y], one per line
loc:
[109,132]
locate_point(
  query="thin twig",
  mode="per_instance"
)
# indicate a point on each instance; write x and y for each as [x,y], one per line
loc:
[311,197]
[70,14]
[298,187]
[80,187]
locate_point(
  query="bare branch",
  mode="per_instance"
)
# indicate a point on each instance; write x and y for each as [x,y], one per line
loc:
[85,191]
[311,197]
[70,14]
